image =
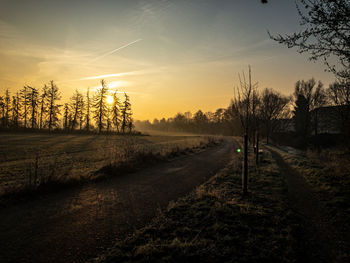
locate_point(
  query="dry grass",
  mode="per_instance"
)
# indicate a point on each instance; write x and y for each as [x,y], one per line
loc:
[30,161]
[215,224]
[328,173]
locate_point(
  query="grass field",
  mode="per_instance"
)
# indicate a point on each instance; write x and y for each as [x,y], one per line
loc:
[31,159]
[215,224]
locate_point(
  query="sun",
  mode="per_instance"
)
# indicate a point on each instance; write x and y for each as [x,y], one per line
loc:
[109,99]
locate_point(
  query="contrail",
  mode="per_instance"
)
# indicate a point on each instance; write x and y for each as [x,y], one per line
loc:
[111,75]
[122,74]
[113,51]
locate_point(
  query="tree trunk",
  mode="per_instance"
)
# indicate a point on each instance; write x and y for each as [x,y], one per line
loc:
[245,166]
[316,121]
[257,149]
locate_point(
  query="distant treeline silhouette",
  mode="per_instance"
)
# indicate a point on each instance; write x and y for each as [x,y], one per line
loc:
[32,109]
[269,112]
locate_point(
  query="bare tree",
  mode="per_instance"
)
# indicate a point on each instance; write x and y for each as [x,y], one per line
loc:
[100,107]
[315,97]
[325,33]
[273,105]
[339,95]
[242,104]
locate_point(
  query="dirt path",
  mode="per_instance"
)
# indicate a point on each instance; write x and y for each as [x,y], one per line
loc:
[77,224]
[318,240]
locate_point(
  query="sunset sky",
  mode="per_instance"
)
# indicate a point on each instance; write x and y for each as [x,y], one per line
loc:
[169,55]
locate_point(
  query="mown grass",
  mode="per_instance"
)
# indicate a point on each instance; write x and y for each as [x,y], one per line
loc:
[328,173]
[216,224]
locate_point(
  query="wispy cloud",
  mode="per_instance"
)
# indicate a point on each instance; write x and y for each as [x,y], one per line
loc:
[113,51]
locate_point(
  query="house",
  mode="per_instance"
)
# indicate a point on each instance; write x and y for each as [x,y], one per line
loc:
[285,125]
[329,119]
[323,120]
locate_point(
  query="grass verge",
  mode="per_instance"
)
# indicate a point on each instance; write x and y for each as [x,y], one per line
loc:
[215,224]
[328,173]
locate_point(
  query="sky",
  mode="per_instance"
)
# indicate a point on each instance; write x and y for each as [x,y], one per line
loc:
[170,56]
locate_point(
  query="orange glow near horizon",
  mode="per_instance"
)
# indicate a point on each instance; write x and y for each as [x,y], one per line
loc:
[169,56]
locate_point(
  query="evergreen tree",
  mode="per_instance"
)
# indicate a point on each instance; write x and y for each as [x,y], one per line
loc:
[24,97]
[7,108]
[65,116]
[131,124]
[81,115]
[88,104]
[116,114]
[33,96]
[301,115]
[2,110]
[76,105]
[15,110]
[100,106]
[126,113]
[53,95]
[43,106]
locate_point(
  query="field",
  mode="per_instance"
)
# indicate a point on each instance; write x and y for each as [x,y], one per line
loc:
[30,160]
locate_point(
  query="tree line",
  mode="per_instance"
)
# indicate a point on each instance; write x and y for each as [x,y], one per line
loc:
[31,108]
[266,111]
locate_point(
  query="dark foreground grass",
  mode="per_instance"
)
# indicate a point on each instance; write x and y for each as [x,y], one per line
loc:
[328,173]
[215,224]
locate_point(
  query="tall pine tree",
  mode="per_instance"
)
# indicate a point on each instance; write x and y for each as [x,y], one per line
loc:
[100,106]
[53,95]
[126,114]
[116,113]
